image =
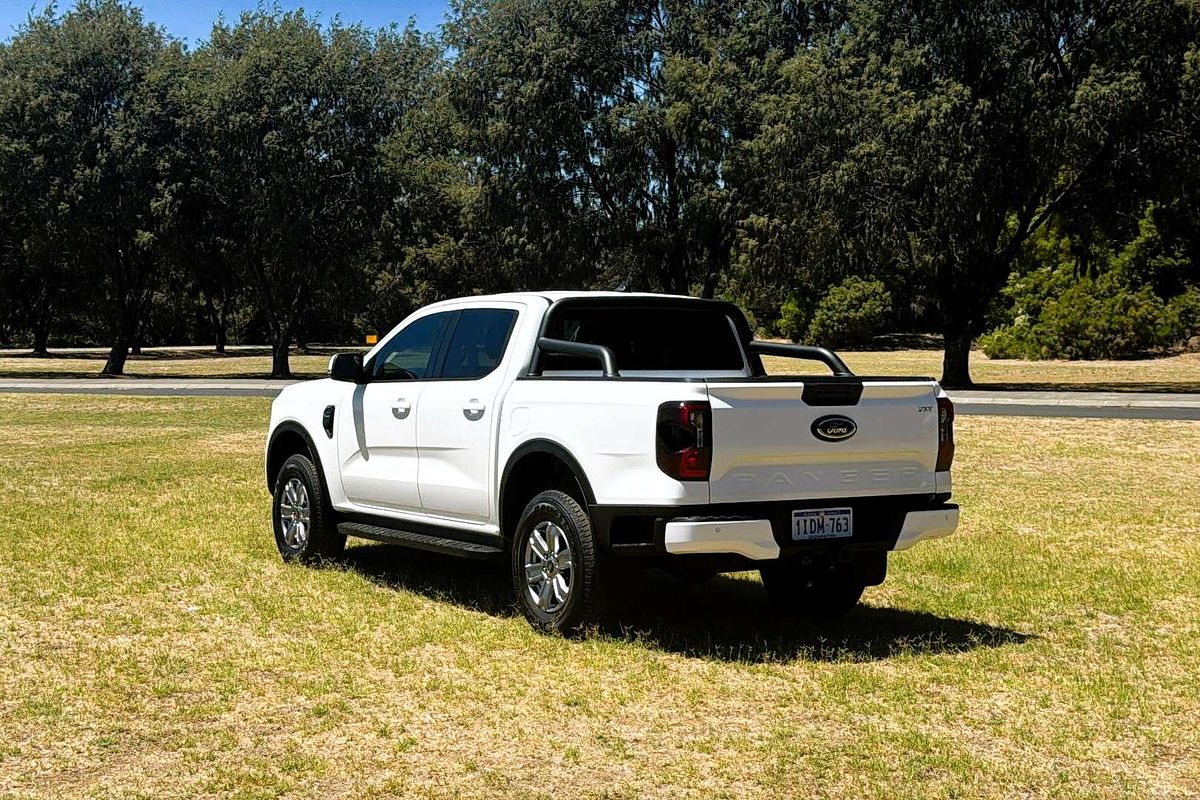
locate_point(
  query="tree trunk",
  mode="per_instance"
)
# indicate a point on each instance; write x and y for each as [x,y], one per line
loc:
[126,332]
[116,357]
[279,356]
[41,339]
[216,323]
[135,341]
[956,360]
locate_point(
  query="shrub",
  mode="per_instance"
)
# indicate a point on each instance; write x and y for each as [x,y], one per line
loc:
[850,313]
[1103,318]
[1091,318]
[793,320]
[1184,311]
[1017,340]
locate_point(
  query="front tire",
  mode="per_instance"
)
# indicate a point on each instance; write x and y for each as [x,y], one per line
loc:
[554,565]
[304,527]
[798,589]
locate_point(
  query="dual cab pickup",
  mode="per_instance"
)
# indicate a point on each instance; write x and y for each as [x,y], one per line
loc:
[580,433]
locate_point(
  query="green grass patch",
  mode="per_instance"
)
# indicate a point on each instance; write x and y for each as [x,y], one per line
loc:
[152,644]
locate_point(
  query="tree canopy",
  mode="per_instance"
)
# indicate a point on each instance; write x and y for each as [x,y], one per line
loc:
[290,180]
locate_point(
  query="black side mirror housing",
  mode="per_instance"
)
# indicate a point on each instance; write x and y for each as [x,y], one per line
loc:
[346,367]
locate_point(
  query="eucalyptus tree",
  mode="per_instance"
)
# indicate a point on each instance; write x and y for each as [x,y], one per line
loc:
[81,125]
[294,115]
[602,131]
[995,117]
[931,141]
[39,147]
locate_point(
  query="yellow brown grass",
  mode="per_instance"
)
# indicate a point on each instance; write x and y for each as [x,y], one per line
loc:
[153,645]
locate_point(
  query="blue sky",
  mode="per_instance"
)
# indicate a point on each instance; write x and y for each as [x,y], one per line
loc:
[192,19]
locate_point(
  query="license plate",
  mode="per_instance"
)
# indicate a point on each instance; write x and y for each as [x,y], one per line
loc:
[822,523]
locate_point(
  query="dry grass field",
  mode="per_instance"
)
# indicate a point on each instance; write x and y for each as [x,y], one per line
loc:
[153,645]
[1173,374]
[163,364]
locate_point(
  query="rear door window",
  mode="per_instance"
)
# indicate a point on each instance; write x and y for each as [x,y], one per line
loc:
[478,342]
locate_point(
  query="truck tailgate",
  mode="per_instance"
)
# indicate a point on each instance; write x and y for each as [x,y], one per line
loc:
[765,447]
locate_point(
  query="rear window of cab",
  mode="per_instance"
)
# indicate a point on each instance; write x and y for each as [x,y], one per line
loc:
[649,338]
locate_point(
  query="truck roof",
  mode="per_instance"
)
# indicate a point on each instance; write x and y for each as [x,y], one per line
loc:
[559,294]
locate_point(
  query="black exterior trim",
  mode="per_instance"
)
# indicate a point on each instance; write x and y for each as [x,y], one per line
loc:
[824,379]
[750,348]
[802,351]
[877,521]
[420,541]
[622,378]
[295,427]
[827,393]
[441,345]
[550,448]
[608,364]
[807,380]
[425,529]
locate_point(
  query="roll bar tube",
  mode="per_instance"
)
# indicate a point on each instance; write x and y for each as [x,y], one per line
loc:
[803,351]
[608,362]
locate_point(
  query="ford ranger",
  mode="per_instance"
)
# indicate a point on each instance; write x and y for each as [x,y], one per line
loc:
[576,433]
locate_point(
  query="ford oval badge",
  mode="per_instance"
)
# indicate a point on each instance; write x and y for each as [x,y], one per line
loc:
[834,429]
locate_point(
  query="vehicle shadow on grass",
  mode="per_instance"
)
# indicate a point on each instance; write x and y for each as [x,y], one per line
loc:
[727,618]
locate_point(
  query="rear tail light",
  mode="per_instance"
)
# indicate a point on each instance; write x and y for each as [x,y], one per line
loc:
[945,456]
[684,440]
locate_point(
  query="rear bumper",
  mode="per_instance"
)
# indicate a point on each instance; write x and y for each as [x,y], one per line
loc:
[921,525]
[762,531]
[751,538]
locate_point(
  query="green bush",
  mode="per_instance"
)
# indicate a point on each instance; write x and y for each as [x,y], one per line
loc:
[793,320]
[1017,340]
[1091,318]
[1103,318]
[850,313]
[1184,311]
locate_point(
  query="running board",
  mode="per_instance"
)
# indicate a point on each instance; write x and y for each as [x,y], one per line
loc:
[420,541]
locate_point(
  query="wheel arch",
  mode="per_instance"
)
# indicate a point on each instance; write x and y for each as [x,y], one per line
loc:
[288,439]
[535,466]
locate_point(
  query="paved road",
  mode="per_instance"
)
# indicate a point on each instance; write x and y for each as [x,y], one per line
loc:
[1126,405]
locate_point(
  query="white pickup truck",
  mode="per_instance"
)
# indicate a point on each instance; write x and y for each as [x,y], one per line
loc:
[575,433]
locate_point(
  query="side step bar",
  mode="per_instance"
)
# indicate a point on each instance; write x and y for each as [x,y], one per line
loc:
[420,541]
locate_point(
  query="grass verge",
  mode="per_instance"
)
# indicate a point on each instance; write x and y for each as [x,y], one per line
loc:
[153,645]
[1172,374]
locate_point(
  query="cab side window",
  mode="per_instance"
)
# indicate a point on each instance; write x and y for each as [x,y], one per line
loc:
[478,342]
[409,354]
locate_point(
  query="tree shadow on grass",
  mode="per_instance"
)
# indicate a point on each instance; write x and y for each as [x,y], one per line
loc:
[727,619]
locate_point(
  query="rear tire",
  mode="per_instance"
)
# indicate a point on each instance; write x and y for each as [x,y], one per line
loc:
[797,589]
[305,530]
[554,565]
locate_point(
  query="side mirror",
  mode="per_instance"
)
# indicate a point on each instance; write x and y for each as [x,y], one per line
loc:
[346,367]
